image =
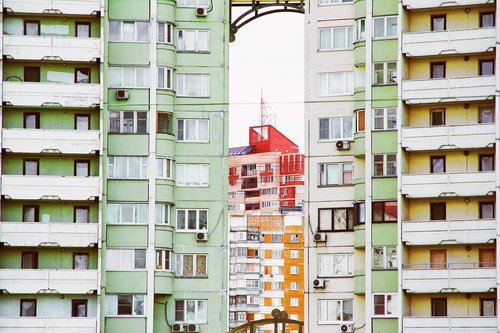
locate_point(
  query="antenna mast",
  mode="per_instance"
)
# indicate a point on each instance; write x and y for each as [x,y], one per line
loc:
[266,116]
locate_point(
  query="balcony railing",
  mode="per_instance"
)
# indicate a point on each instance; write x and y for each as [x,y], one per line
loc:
[421,4]
[47,325]
[67,7]
[449,324]
[43,234]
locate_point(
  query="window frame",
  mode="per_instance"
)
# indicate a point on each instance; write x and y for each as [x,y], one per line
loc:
[386,117]
[167,164]
[386,74]
[37,119]
[348,83]
[331,126]
[122,265]
[200,182]
[121,30]
[123,205]
[26,300]
[480,160]
[34,160]
[168,77]
[335,2]
[121,119]
[181,43]
[434,111]
[349,222]
[341,311]
[385,166]
[481,305]
[186,219]
[162,260]
[168,32]
[438,16]
[142,162]
[180,4]
[34,263]
[83,254]
[194,265]
[205,90]
[85,70]
[74,307]
[433,306]
[484,203]
[437,157]
[341,172]
[383,204]
[483,61]
[122,76]
[386,27]
[440,205]
[348,259]
[36,213]
[75,208]
[394,298]
[26,22]
[480,114]
[182,133]
[75,167]
[81,23]
[387,258]
[37,69]
[347,44]
[437,63]
[81,115]
[184,316]
[115,301]
[482,14]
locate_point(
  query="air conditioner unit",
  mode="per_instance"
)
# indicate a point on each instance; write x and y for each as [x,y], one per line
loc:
[261,275]
[320,237]
[122,94]
[201,12]
[201,236]
[176,327]
[271,275]
[342,145]
[346,328]
[193,328]
[319,283]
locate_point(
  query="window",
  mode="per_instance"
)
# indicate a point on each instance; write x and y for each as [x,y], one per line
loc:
[438,22]
[334,2]
[165,78]
[294,238]
[438,70]
[276,285]
[336,128]
[438,117]
[385,27]
[333,311]
[360,29]
[384,119]
[193,3]
[193,175]
[31,28]
[165,123]
[359,213]
[78,308]
[487,258]
[335,38]
[81,214]
[335,174]
[164,168]
[192,219]
[486,115]
[125,305]
[31,167]
[294,286]
[438,259]
[128,122]
[384,165]
[294,269]
[487,162]
[340,83]
[385,211]
[191,311]
[193,40]
[193,85]
[333,265]
[294,302]
[486,67]
[81,168]
[80,261]
[165,32]
[193,130]
[486,210]
[487,20]
[82,29]
[31,120]
[31,213]
[191,265]
[385,304]
[438,211]
[128,31]
[439,307]
[385,73]
[360,115]
[128,77]
[488,307]
[127,167]
[29,260]
[163,260]
[162,214]
[438,164]
[82,122]
[118,213]
[27,308]
[336,219]
[277,238]
[125,259]
[385,257]
[82,75]
[31,74]
[294,254]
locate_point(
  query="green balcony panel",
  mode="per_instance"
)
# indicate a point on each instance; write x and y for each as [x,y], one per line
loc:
[359,236]
[128,144]
[138,100]
[385,325]
[164,283]
[165,144]
[128,53]
[385,96]
[384,188]
[166,10]
[385,50]
[384,234]
[360,8]
[164,190]
[359,144]
[385,281]
[384,142]
[359,53]
[129,9]
[165,99]
[359,189]
[164,235]
[359,98]
[126,324]
[359,283]
[126,282]
[127,235]
[385,7]
[127,190]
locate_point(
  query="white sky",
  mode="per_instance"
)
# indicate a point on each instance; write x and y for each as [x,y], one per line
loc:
[268,53]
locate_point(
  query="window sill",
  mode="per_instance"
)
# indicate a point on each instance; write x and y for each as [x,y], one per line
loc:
[328,186]
[193,52]
[385,176]
[191,277]
[335,140]
[384,129]
[340,49]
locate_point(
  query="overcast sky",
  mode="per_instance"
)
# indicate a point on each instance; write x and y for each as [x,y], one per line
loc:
[268,53]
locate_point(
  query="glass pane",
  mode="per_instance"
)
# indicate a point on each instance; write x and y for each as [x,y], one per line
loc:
[187,265]
[82,169]
[336,128]
[202,311]
[114,31]
[201,265]
[31,168]
[190,129]
[347,128]
[140,259]
[181,219]
[325,219]
[28,308]
[391,211]
[486,115]
[392,26]
[324,129]
[82,122]
[82,76]
[142,31]
[138,305]
[128,31]
[379,27]
[128,77]
[190,311]
[325,38]
[203,130]
[379,304]
[203,37]
[339,38]
[192,220]
[81,215]
[81,261]
[124,304]
[113,214]
[332,174]
[340,219]
[30,121]
[203,219]
[29,214]
[32,29]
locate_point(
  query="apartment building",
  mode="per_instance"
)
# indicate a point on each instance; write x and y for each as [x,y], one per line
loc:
[401,182]
[114,135]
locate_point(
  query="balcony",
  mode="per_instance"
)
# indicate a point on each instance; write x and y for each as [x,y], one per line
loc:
[62,281]
[66,7]
[433,43]
[50,187]
[449,324]
[459,89]
[34,141]
[51,94]
[244,307]
[455,277]
[423,4]
[473,136]
[56,234]
[47,325]
[449,232]
[464,184]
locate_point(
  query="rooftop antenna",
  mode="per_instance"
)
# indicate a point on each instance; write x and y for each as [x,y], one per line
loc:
[267,116]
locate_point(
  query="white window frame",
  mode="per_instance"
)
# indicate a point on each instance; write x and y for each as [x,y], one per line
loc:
[294,285]
[122,121]
[360,30]
[294,270]
[135,40]
[121,207]
[199,3]
[162,213]
[198,33]
[387,76]
[112,166]
[388,262]
[294,254]
[386,19]
[348,259]
[160,260]
[179,260]
[122,80]
[347,84]
[347,45]
[334,2]
[294,301]
[112,305]
[168,32]
[205,85]
[167,164]
[341,310]
[204,168]
[342,128]
[185,126]
[387,115]
[394,301]
[385,166]
[167,76]
[127,259]
[186,219]
[323,175]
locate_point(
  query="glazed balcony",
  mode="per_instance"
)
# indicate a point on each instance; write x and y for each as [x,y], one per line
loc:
[244,307]
[48,234]
[51,48]
[449,324]
[458,89]
[449,232]
[51,93]
[423,4]
[62,281]
[66,7]
[473,136]
[34,141]
[47,325]
[453,277]
[464,184]
[50,187]
[433,43]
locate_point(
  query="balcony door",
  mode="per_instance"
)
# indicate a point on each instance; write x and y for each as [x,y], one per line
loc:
[487,258]
[439,307]
[438,259]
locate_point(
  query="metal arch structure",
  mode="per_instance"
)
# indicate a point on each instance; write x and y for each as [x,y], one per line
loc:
[279,322]
[259,8]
